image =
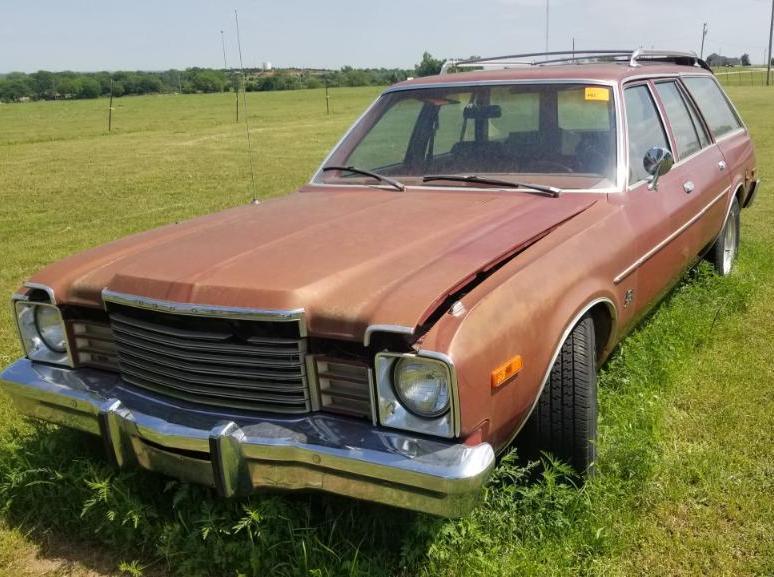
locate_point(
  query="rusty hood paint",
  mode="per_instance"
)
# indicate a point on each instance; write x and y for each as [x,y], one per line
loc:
[349,257]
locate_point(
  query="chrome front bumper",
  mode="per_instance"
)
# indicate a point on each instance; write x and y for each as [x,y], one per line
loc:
[238,453]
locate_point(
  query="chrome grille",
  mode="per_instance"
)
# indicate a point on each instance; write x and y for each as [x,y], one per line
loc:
[244,364]
[345,387]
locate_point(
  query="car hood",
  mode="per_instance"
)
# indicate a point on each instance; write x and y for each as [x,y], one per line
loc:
[350,257]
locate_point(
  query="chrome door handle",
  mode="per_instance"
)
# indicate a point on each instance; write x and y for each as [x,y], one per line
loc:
[688,187]
[722,165]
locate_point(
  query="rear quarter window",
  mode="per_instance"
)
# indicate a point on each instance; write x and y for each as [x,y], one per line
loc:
[713,104]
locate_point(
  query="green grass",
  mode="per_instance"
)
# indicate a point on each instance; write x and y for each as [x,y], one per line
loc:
[686,456]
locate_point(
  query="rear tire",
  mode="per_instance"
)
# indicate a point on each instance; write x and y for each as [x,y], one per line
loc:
[564,421]
[722,254]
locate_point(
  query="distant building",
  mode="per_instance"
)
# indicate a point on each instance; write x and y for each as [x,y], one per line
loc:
[718,60]
[267,66]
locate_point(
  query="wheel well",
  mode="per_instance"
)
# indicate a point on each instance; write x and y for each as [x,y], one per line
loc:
[602,314]
[739,194]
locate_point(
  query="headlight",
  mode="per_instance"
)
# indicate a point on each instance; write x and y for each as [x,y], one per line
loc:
[50,328]
[42,332]
[422,386]
[417,393]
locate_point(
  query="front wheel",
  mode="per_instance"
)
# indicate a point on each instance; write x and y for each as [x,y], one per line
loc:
[564,421]
[723,252]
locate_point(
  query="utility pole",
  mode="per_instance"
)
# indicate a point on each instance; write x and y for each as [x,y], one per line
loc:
[768,61]
[547,23]
[703,36]
[110,108]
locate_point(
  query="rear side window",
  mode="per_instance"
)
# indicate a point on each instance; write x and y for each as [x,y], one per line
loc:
[685,131]
[645,129]
[713,104]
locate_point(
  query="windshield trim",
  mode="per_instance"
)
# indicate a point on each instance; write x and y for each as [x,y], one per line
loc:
[621,158]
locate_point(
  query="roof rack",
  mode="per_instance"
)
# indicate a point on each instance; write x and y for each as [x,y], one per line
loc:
[634,58]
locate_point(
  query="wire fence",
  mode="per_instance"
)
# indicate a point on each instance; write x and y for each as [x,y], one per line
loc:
[747,77]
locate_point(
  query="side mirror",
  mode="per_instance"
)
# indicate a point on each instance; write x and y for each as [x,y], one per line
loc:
[657,162]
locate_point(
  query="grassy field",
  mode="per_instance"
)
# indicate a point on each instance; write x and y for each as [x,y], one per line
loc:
[742,76]
[686,458]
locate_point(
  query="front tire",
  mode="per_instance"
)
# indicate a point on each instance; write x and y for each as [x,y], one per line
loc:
[722,254]
[564,421]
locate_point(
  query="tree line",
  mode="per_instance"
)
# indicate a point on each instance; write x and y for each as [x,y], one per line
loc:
[45,85]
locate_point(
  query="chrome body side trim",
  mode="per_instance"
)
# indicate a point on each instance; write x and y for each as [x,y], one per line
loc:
[203,310]
[239,453]
[396,329]
[648,255]
[614,313]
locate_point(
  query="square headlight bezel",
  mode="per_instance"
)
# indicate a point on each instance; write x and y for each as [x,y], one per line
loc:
[33,345]
[392,413]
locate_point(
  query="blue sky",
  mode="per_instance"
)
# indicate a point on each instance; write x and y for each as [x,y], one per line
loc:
[153,35]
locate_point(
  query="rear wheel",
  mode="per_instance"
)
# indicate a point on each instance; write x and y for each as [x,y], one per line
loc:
[564,421]
[723,252]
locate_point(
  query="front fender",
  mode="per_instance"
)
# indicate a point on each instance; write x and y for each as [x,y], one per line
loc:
[527,308]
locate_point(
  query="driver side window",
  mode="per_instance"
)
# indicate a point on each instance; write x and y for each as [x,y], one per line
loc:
[645,129]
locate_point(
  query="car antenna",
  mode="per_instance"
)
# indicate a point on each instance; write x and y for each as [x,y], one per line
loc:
[244,108]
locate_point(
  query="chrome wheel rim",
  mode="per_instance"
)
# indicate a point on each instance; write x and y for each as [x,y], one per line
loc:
[729,244]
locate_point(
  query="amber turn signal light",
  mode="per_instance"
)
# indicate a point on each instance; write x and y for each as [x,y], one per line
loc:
[506,371]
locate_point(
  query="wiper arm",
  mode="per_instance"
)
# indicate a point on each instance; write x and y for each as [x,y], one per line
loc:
[533,188]
[380,177]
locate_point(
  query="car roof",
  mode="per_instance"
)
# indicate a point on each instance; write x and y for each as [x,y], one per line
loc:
[598,71]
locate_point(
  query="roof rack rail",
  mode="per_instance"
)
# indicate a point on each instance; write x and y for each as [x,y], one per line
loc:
[632,57]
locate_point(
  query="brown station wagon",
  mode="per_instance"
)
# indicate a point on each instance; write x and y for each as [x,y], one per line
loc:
[452,276]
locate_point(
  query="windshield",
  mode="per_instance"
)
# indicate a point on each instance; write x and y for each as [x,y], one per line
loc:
[561,135]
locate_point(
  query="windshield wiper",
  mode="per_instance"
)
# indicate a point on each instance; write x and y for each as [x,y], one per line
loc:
[531,188]
[380,177]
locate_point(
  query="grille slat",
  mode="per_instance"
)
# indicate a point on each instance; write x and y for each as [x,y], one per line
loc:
[212,378]
[245,364]
[198,356]
[345,387]
[292,373]
[119,326]
[214,399]
[94,345]
[224,392]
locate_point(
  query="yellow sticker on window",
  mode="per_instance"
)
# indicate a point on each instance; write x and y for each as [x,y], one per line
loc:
[598,93]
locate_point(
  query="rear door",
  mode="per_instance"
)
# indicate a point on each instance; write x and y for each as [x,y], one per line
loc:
[698,183]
